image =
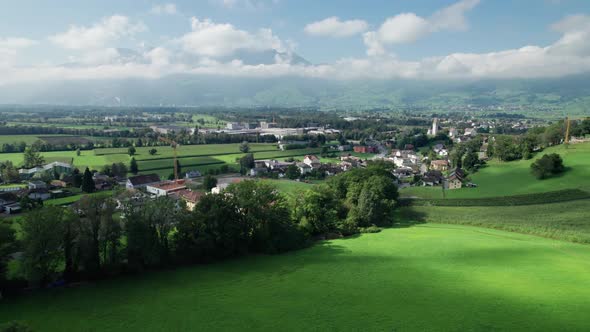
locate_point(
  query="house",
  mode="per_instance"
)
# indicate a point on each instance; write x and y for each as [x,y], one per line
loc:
[453,132]
[191,198]
[192,174]
[58,183]
[344,147]
[102,184]
[455,179]
[12,208]
[258,171]
[141,181]
[365,149]
[470,132]
[439,165]
[37,185]
[166,187]
[312,161]
[39,194]
[304,168]
[432,178]
[402,173]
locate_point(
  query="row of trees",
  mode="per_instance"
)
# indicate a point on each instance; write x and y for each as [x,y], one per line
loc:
[94,238]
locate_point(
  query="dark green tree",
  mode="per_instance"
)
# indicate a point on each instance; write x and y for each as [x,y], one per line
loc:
[131,151]
[246,163]
[209,182]
[87,182]
[244,147]
[471,161]
[293,172]
[133,166]
[547,165]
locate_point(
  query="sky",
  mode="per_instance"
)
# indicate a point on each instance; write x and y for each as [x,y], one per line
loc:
[342,39]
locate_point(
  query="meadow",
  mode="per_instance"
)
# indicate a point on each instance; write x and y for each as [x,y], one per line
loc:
[419,278]
[514,178]
[564,221]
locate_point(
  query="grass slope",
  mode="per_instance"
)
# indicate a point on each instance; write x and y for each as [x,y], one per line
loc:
[515,178]
[566,221]
[427,277]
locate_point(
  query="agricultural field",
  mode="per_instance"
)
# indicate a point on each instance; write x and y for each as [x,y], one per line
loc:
[419,278]
[514,178]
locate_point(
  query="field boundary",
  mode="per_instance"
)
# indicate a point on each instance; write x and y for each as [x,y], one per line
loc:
[515,200]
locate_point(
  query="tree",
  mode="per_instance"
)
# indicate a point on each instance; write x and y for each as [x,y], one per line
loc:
[317,210]
[119,169]
[32,158]
[9,173]
[293,172]
[244,147]
[133,166]
[178,167]
[131,151]
[153,152]
[209,182]
[87,182]
[139,143]
[7,247]
[549,164]
[375,204]
[471,161]
[42,242]
[78,152]
[246,163]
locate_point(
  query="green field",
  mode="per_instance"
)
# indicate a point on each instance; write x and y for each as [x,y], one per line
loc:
[565,221]
[200,157]
[514,178]
[421,278]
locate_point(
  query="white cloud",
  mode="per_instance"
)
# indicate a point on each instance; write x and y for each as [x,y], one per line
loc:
[9,48]
[246,4]
[409,27]
[211,42]
[334,27]
[164,9]
[109,29]
[221,39]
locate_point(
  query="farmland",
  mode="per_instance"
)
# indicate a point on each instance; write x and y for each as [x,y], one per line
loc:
[199,157]
[514,178]
[426,277]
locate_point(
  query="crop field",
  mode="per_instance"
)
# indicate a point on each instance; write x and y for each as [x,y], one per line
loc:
[420,278]
[514,178]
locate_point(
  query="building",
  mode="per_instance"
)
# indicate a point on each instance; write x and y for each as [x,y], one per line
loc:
[455,179]
[432,178]
[470,132]
[37,185]
[192,174]
[344,147]
[233,126]
[439,165]
[268,125]
[165,188]
[141,181]
[365,149]
[312,160]
[191,198]
[304,168]
[54,167]
[453,133]
[39,194]
[171,129]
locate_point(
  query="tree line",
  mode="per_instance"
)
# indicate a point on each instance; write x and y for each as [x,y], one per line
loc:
[98,237]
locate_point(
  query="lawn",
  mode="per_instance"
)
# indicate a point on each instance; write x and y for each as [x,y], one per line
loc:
[289,187]
[421,278]
[514,178]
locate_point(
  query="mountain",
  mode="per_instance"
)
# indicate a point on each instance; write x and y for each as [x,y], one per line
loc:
[570,94]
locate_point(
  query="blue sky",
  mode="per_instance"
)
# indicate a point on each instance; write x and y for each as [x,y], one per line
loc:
[391,35]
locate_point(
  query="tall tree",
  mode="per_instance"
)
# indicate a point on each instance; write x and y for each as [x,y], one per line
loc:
[209,182]
[244,147]
[32,158]
[42,241]
[131,150]
[133,166]
[246,163]
[87,182]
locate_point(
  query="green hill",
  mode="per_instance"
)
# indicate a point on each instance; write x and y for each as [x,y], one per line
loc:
[422,278]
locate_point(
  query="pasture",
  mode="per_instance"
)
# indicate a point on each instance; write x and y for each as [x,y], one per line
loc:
[514,178]
[425,277]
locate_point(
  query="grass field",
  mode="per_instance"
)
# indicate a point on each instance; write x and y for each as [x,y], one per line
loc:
[514,178]
[200,157]
[421,278]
